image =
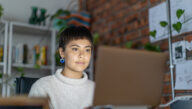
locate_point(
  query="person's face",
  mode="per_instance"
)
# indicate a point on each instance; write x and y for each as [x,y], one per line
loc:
[77,55]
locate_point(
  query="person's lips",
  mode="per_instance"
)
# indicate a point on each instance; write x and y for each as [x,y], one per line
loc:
[81,63]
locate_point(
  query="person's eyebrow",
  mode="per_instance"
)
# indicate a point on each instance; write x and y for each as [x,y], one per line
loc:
[75,45]
[89,46]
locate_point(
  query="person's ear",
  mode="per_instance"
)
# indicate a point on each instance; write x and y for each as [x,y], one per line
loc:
[61,52]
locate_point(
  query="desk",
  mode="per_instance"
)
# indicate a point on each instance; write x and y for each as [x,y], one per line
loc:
[23,102]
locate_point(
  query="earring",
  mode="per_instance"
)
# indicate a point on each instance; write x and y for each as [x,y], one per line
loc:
[62,60]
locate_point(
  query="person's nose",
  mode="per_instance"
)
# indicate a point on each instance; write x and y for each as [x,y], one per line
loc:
[81,54]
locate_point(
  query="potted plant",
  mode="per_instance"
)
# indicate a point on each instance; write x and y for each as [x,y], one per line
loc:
[1,10]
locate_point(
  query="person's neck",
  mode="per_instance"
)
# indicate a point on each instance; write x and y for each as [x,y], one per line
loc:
[72,74]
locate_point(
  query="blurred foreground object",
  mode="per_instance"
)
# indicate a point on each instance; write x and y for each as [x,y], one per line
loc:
[23,102]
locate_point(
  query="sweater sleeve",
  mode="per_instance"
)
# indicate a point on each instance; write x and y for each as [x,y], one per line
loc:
[37,90]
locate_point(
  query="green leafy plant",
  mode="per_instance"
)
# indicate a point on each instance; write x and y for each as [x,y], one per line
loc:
[163,23]
[21,70]
[147,46]
[57,58]
[151,47]
[62,22]
[176,26]
[95,38]
[179,13]
[129,44]
[1,10]
[60,12]
[153,33]
[1,75]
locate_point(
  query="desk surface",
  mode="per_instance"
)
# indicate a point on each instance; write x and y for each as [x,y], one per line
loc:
[24,101]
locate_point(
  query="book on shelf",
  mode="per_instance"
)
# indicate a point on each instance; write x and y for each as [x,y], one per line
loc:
[24,55]
[43,55]
[40,54]
[36,54]
[19,53]
[1,53]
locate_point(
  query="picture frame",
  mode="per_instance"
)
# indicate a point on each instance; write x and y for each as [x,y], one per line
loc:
[179,51]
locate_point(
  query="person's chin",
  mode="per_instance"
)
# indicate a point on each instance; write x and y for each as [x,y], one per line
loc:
[80,69]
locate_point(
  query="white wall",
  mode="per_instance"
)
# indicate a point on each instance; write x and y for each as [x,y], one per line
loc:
[20,10]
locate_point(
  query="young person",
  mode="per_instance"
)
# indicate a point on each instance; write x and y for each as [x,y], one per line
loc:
[69,88]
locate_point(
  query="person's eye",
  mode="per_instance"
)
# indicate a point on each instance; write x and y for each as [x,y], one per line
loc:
[88,50]
[74,49]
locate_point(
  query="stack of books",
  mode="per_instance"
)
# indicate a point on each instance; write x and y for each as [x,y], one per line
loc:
[23,55]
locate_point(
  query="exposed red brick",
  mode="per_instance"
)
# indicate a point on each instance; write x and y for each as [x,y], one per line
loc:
[154,1]
[120,14]
[177,39]
[188,91]
[188,38]
[143,22]
[145,32]
[131,18]
[131,2]
[140,5]
[164,45]
[179,91]
[167,77]
[166,99]
[132,26]
[144,40]
[132,36]
[167,89]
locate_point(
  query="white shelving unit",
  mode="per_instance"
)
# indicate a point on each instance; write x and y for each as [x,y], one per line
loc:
[3,65]
[31,66]
[30,35]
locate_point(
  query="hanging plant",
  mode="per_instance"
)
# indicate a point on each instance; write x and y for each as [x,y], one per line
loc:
[176,26]
[1,10]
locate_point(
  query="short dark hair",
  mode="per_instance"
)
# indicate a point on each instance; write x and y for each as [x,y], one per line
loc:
[74,33]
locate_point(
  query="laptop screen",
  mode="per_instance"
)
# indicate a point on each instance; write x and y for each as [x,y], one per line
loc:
[128,77]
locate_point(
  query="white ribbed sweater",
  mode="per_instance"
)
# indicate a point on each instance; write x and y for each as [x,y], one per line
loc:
[64,92]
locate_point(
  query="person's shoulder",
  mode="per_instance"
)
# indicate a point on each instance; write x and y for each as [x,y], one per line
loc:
[91,83]
[41,86]
[44,80]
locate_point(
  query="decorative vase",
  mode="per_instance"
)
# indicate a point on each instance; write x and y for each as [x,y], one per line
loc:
[42,18]
[33,18]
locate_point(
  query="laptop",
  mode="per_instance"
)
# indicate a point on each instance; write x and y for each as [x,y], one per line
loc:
[126,77]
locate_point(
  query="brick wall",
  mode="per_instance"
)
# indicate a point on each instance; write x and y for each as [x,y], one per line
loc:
[120,21]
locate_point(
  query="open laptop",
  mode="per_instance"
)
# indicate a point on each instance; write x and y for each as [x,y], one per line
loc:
[126,77]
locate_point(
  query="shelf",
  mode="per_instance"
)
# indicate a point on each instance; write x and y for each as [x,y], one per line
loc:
[31,29]
[31,66]
[1,63]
